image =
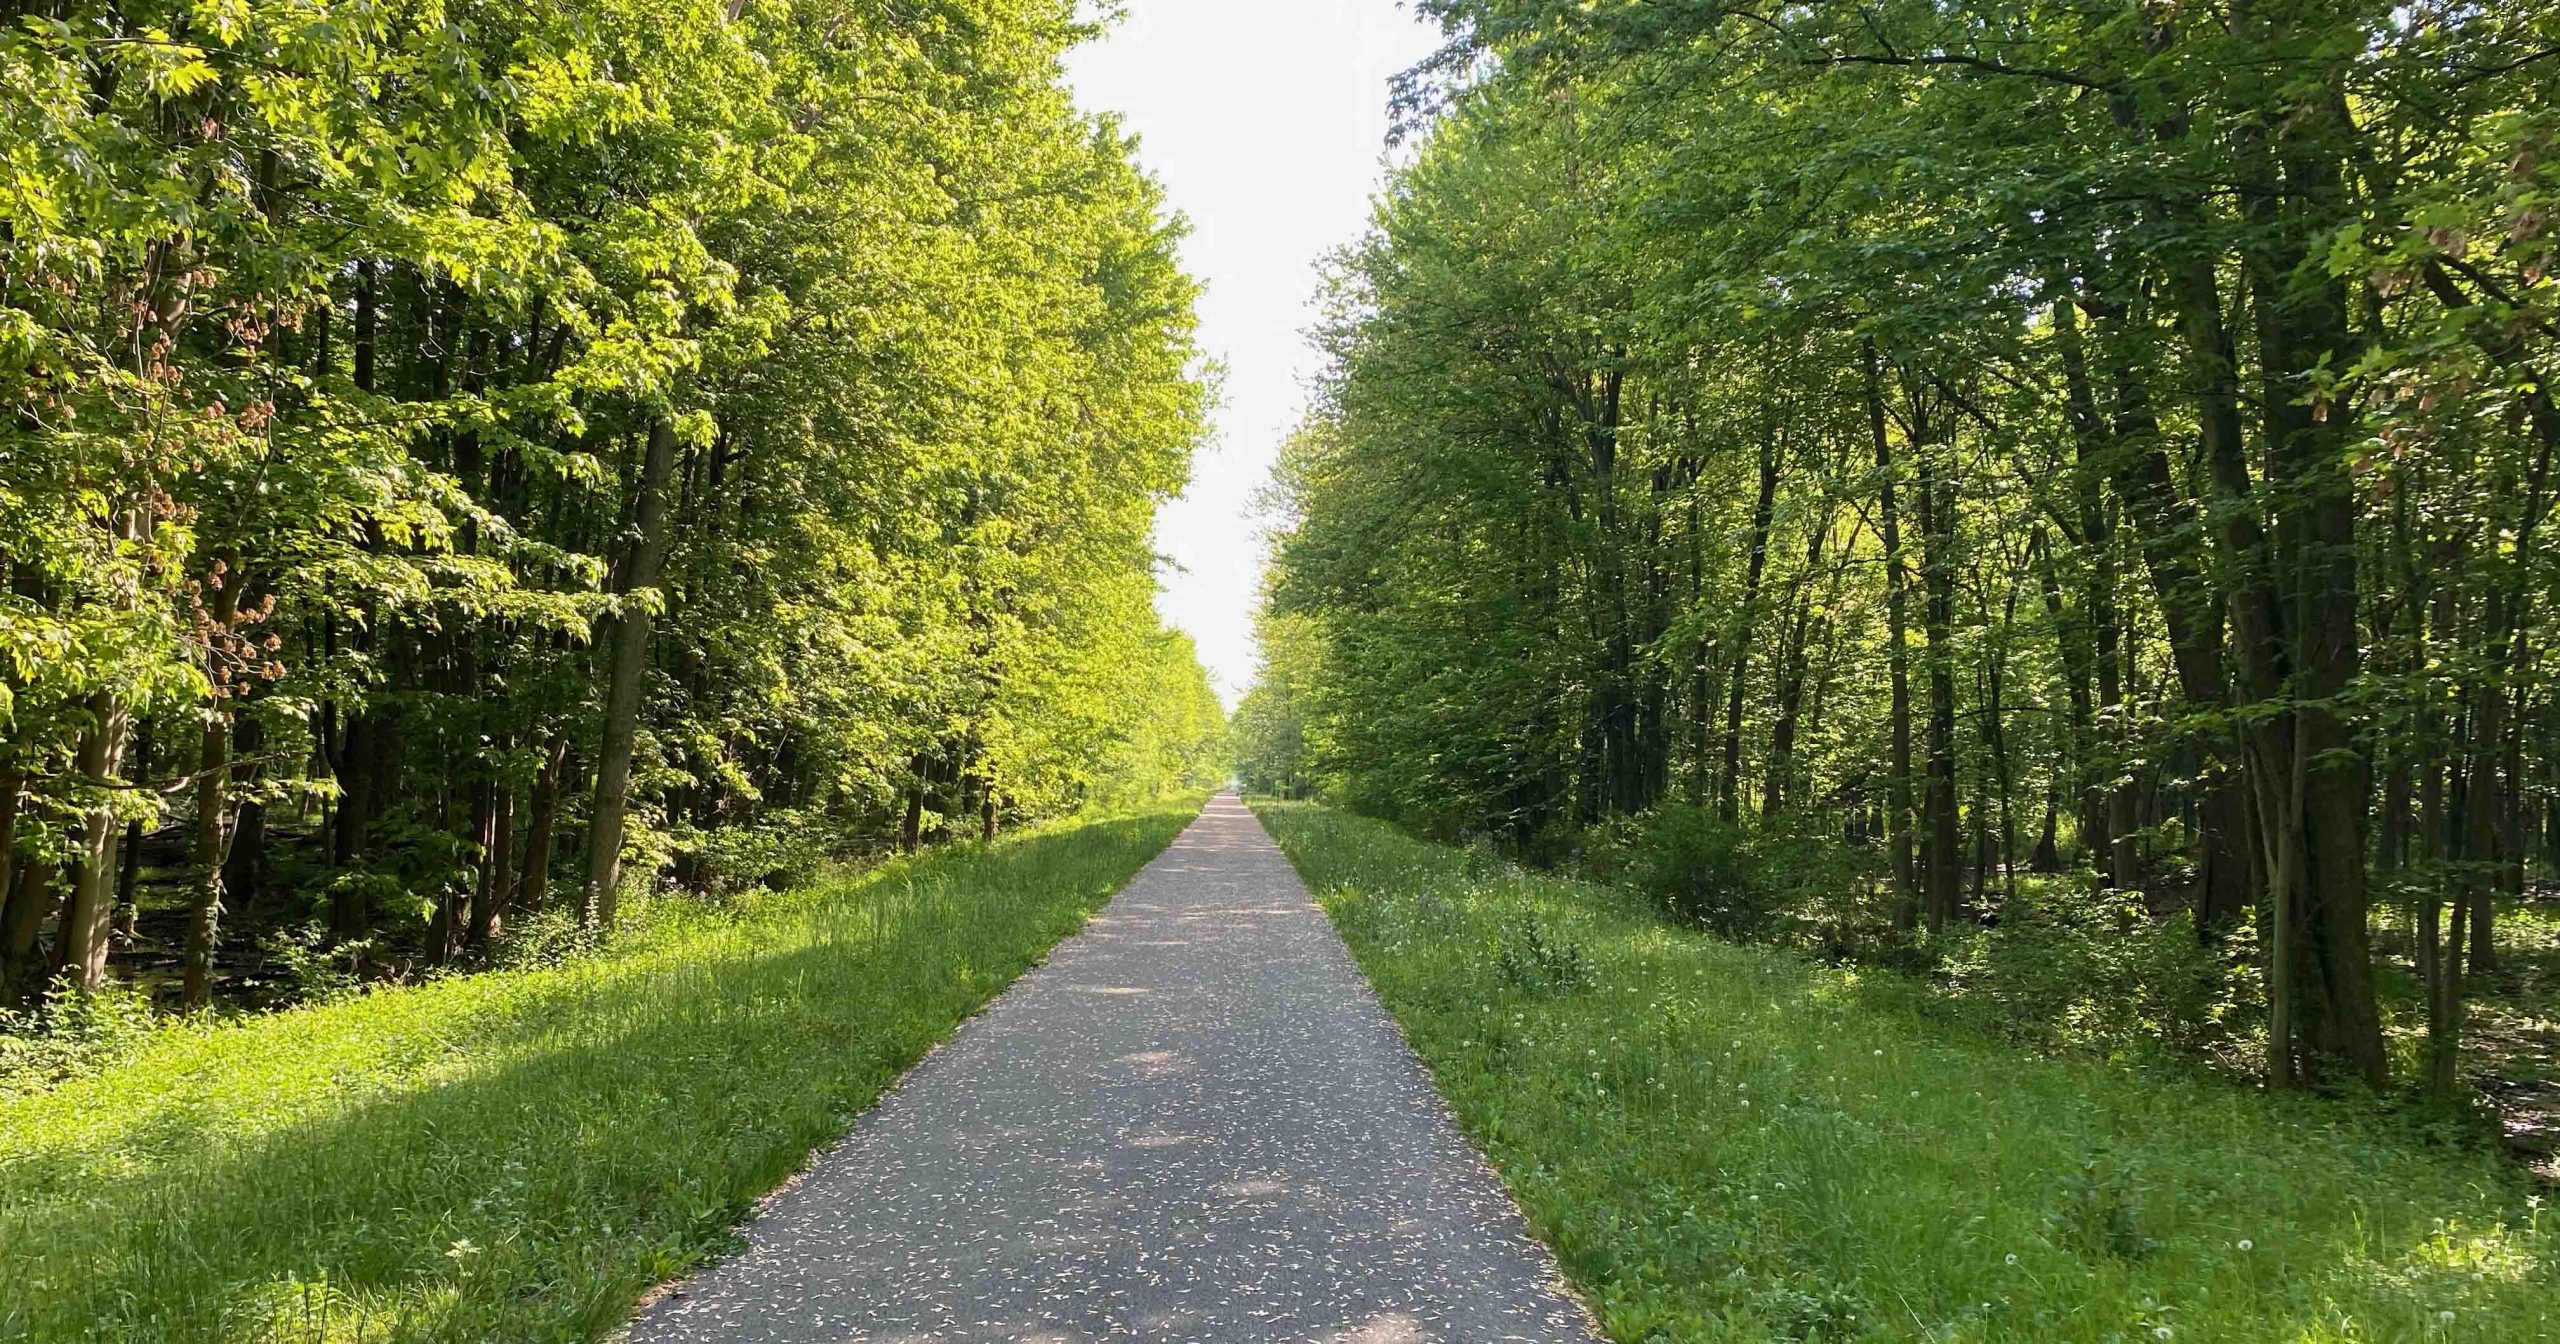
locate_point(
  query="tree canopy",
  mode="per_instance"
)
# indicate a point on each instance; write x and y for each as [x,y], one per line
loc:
[690,432]
[1982,438]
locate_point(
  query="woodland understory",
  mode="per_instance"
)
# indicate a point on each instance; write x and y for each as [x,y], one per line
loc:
[2053,497]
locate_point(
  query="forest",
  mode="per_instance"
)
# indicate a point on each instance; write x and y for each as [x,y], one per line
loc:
[2052,497]
[471,466]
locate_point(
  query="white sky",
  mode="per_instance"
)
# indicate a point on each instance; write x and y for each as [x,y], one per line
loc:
[1266,120]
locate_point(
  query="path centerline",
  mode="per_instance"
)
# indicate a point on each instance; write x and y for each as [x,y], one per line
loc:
[1193,1122]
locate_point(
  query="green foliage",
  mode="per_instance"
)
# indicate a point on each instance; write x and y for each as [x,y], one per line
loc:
[2069,969]
[1734,1143]
[1946,426]
[515,1154]
[68,1034]
[372,373]
[1537,963]
[1784,880]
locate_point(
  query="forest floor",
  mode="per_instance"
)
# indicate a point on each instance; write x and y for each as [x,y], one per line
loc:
[2511,1037]
[1732,1143]
[515,1155]
[1193,1123]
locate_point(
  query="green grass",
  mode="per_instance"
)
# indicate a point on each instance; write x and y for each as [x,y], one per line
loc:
[515,1155]
[1728,1143]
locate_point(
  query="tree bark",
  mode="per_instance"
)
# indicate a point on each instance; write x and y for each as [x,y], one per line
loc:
[622,696]
[1898,653]
[1729,784]
[81,950]
[542,822]
[1942,871]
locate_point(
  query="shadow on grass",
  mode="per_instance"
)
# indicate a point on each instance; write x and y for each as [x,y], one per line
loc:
[577,1144]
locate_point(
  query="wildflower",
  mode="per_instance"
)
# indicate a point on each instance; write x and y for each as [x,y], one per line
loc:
[2013,1257]
[2248,1245]
[2444,1317]
[2160,1332]
[463,1248]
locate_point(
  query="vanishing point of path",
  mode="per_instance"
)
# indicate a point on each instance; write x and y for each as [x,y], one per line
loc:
[1194,1123]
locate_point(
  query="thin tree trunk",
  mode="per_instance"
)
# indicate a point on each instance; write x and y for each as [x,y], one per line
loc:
[543,821]
[1898,654]
[1942,873]
[129,853]
[213,816]
[1729,785]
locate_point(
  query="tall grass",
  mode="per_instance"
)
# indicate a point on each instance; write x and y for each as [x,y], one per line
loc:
[516,1155]
[1733,1144]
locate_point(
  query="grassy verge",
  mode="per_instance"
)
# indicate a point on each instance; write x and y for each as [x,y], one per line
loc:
[1726,1143]
[515,1155]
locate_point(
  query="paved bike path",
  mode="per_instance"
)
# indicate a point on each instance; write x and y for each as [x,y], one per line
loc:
[1193,1123]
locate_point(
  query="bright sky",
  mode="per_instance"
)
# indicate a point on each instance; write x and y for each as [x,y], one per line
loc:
[1266,120]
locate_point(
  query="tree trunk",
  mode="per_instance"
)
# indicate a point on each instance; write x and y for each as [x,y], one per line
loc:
[32,898]
[244,865]
[213,817]
[81,950]
[129,854]
[204,917]
[1898,654]
[496,890]
[542,822]
[1942,873]
[1729,785]
[622,697]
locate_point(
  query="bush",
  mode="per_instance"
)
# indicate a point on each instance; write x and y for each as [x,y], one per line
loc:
[68,1033]
[2070,966]
[785,849]
[1702,868]
[1784,879]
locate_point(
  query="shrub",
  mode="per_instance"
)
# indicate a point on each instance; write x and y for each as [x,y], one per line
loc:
[68,1033]
[1786,879]
[1702,868]
[2074,967]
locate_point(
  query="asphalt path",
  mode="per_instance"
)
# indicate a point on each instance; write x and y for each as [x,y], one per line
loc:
[1193,1122]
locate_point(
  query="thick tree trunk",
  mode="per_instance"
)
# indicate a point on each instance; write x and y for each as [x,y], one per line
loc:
[32,898]
[622,695]
[2314,650]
